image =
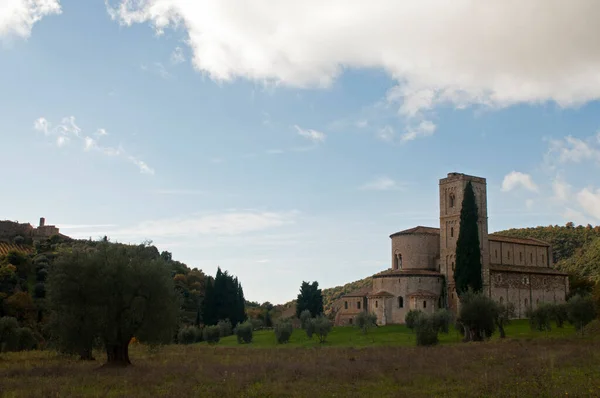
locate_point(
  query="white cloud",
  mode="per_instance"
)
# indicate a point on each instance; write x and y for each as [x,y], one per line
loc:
[177,56]
[574,150]
[529,203]
[311,135]
[17,17]
[590,202]
[514,179]
[423,129]
[68,129]
[222,224]
[386,133]
[380,184]
[561,189]
[440,52]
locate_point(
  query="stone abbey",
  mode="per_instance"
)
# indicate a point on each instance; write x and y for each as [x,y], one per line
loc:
[515,270]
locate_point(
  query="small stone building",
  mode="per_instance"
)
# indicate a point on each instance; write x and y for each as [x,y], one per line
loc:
[520,271]
[10,229]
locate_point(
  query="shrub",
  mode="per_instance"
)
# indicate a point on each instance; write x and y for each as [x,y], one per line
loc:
[539,319]
[243,331]
[18,240]
[189,335]
[411,318]
[9,339]
[212,334]
[257,324]
[305,318]
[283,331]
[441,320]
[309,327]
[39,290]
[560,314]
[225,327]
[581,311]
[322,327]
[478,314]
[41,275]
[427,328]
[25,339]
[503,316]
[365,320]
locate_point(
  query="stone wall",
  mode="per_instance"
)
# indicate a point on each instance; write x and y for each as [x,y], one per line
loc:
[10,229]
[417,250]
[506,253]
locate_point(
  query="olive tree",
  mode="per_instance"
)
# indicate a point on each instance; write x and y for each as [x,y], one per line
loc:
[112,293]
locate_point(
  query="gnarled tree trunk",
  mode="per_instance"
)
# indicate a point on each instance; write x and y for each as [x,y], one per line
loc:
[118,354]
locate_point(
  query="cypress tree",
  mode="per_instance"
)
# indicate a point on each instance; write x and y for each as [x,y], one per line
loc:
[467,274]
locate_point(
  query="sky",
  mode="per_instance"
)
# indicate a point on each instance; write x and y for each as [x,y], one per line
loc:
[285,141]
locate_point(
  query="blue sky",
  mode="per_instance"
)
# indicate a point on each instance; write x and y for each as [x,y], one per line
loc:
[286,141]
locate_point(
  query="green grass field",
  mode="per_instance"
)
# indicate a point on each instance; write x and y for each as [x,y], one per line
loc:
[384,363]
[392,335]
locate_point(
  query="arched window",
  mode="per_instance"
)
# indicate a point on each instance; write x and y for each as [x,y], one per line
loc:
[451,200]
[345,305]
[400,261]
[531,258]
[452,232]
[453,266]
[520,256]
[350,321]
[358,305]
[501,299]
[376,304]
[496,253]
[400,302]
[424,304]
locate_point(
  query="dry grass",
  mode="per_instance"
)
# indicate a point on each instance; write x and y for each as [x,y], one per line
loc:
[512,368]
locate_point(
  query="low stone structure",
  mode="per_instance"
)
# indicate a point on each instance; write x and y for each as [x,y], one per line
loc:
[11,229]
[515,270]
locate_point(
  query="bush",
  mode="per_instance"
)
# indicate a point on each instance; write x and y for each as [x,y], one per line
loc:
[225,327]
[427,328]
[212,334]
[364,321]
[309,327]
[41,275]
[9,339]
[560,314]
[322,327]
[539,319]
[441,320]
[478,314]
[243,331]
[18,240]
[26,340]
[189,335]
[411,318]
[305,318]
[39,290]
[581,311]
[283,331]
[257,324]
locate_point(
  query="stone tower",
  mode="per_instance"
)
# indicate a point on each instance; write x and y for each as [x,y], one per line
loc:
[451,197]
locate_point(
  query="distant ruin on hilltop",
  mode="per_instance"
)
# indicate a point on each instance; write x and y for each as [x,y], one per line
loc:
[9,230]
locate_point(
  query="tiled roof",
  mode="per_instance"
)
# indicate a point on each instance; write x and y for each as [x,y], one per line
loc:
[523,241]
[419,230]
[526,269]
[422,293]
[406,272]
[381,293]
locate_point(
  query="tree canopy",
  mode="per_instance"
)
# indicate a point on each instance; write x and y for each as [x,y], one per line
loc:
[467,274]
[310,298]
[112,293]
[224,299]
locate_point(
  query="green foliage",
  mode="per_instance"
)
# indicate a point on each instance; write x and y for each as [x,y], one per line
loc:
[225,327]
[189,335]
[18,240]
[9,339]
[112,292]
[426,328]
[540,318]
[39,290]
[310,298]
[305,317]
[581,310]
[504,314]
[442,319]
[26,339]
[560,314]
[211,334]
[477,316]
[411,317]
[244,332]
[309,327]
[364,321]
[322,327]
[283,331]
[467,274]
[224,299]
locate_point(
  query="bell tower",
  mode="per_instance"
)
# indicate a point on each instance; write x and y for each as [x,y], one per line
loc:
[451,197]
